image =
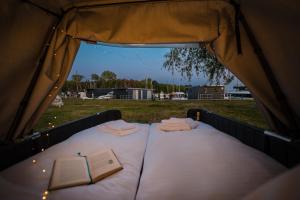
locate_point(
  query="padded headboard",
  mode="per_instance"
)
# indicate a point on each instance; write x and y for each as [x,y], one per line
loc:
[283,150]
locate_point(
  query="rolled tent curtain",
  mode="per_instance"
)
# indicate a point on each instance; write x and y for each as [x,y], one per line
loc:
[149,23]
[276,28]
[55,70]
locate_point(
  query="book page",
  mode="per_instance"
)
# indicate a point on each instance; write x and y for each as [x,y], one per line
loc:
[103,164]
[68,172]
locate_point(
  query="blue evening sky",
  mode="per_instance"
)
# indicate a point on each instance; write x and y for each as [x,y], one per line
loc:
[127,62]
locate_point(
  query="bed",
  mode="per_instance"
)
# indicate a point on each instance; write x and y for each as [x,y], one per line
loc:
[27,180]
[203,163]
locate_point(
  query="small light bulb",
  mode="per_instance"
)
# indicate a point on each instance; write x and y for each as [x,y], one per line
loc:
[43,150]
[46,192]
[54,117]
[44,170]
[53,126]
[44,197]
[47,134]
[33,161]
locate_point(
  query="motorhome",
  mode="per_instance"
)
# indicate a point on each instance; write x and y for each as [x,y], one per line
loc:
[178,96]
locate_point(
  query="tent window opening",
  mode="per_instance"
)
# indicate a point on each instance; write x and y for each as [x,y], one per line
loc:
[148,83]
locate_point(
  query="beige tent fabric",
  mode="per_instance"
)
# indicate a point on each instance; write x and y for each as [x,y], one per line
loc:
[148,22]
[23,36]
[57,65]
[179,21]
[250,72]
[276,26]
[277,29]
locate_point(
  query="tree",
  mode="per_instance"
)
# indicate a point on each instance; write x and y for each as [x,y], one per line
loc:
[108,75]
[187,60]
[155,85]
[94,78]
[77,78]
[69,85]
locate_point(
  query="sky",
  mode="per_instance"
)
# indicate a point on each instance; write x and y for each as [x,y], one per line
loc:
[129,63]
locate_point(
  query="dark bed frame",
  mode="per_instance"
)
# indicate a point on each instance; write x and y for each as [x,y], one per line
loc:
[13,153]
[286,152]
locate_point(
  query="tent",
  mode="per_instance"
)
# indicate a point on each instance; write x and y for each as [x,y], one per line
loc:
[257,40]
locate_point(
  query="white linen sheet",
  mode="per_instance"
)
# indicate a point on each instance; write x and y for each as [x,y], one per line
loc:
[26,180]
[203,163]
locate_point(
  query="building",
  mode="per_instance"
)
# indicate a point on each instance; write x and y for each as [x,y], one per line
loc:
[122,93]
[241,95]
[206,92]
[239,92]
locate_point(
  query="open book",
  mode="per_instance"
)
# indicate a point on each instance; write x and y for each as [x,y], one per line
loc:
[81,170]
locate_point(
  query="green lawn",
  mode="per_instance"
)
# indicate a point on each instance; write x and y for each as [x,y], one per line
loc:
[150,111]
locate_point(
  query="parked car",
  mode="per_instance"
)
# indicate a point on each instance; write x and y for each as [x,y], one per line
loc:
[109,95]
[178,96]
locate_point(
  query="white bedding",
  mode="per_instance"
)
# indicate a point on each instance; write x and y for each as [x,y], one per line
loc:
[203,163]
[26,180]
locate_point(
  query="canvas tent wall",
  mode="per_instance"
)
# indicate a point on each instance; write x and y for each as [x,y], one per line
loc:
[39,40]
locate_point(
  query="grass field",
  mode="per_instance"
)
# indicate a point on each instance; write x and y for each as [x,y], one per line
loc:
[149,111]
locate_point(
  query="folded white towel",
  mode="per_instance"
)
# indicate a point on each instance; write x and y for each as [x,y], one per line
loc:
[193,124]
[178,124]
[107,129]
[118,127]
[174,127]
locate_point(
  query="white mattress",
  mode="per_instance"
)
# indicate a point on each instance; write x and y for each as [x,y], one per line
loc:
[26,180]
[203,163]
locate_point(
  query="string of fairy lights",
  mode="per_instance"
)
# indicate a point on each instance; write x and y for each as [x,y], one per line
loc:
[45,193]
[51,124]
